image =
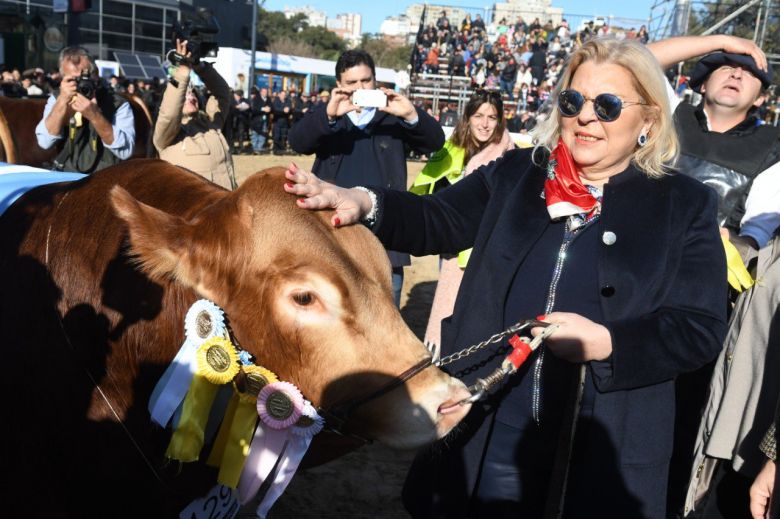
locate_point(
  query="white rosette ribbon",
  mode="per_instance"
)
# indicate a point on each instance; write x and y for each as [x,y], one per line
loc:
[303,431]
[203,321]
[280,405]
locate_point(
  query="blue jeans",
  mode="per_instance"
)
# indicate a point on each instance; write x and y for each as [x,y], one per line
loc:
[507,86]
[398,284]
[258,140]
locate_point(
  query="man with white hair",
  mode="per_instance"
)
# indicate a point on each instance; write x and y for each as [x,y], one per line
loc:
[99,123]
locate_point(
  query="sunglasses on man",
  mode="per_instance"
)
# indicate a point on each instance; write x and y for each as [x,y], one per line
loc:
[606,106]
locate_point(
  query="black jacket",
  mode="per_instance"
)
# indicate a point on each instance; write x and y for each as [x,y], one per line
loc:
[389,136]
[259,118]
[729,161]
[662,295]
[277,108]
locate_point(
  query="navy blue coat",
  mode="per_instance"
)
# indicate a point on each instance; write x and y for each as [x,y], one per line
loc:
[389,135]
[663,296]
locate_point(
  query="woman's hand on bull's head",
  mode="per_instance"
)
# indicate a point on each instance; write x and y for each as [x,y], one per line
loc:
[578,339]
[350,204]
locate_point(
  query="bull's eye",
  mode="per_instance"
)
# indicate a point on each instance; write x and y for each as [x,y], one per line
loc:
[303,298]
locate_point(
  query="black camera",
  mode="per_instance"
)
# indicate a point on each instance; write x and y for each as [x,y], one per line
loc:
[199,28]
[86,85]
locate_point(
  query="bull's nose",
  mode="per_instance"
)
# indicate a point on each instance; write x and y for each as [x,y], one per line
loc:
[451,411]
[455,402]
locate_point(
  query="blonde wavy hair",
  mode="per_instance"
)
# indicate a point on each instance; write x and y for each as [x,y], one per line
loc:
[662,148]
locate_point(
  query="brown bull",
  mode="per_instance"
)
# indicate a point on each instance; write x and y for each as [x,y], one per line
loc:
[97,277]
[19,117]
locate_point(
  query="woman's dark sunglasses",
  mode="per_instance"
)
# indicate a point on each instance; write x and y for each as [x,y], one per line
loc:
[485,93]
[606,106]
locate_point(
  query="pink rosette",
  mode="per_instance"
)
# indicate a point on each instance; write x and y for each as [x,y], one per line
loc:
[310,423]
[280,405]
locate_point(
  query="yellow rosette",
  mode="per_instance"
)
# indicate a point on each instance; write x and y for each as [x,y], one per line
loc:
[217,365]
[235,435]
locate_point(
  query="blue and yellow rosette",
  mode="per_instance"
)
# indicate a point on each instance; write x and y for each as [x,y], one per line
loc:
[204,320]
[217,365]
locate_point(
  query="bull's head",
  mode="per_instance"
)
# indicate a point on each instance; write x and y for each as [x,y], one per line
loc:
[310,302]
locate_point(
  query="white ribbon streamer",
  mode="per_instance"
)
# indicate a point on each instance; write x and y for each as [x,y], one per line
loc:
[267,446]
[204,320]
[297,446]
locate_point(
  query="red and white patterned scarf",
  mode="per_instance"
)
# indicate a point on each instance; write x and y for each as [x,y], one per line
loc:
[564,192]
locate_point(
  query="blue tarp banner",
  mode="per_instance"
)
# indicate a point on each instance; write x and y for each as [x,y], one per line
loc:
[16,180]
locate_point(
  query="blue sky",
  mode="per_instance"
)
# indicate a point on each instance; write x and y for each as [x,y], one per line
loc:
[375,11]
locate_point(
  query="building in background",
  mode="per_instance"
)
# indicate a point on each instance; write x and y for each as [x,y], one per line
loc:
[402,25]
[33,32]
[528,9]
[394,26]
[454,14]
[347,26]
[314,17]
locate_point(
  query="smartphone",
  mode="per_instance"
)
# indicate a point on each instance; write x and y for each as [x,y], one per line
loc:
[369,98]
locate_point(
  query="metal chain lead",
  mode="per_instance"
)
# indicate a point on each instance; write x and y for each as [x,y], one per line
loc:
[493,339]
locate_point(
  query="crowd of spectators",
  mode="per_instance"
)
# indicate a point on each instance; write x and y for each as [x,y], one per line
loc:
[249,127]
[522,60]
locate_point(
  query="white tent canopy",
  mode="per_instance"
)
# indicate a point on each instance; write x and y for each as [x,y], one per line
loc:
[229,62]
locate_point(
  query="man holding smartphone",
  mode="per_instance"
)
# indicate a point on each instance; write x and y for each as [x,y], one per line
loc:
[364,145]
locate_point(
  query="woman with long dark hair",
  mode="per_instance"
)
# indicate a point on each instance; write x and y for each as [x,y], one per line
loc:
[480,137]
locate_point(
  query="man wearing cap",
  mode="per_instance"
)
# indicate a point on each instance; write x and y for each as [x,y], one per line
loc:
[722,141]
[323,99]
[724,146]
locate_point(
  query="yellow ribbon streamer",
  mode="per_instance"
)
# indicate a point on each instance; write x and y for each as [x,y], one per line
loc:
[738,276]
[237,448]
[218,449]
[187,439]
[217,365]
[231,447]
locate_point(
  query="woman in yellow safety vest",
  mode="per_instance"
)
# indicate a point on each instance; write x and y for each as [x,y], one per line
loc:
[479,138]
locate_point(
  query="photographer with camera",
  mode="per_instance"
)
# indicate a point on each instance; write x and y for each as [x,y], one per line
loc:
[184,134]
[100,126]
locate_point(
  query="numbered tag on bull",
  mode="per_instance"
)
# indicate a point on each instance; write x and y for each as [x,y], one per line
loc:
[220,503]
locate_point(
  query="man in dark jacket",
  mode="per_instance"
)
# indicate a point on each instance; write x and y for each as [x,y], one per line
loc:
[281,109]
[260,106]
[364,147]
[508,77]
[297,107]
[240,113]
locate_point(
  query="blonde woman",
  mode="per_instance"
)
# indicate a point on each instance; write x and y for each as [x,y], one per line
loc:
[592,230]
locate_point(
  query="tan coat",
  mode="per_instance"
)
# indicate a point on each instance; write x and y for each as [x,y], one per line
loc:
[744,388]
[196,143]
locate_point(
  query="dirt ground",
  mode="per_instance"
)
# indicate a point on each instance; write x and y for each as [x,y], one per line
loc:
[365,483]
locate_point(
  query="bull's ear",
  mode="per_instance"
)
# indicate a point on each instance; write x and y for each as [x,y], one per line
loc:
[157,239]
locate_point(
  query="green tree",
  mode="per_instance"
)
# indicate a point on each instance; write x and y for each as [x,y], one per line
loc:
[743,25]
[279,33]
[273,26]
[385,53]
[327,44]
